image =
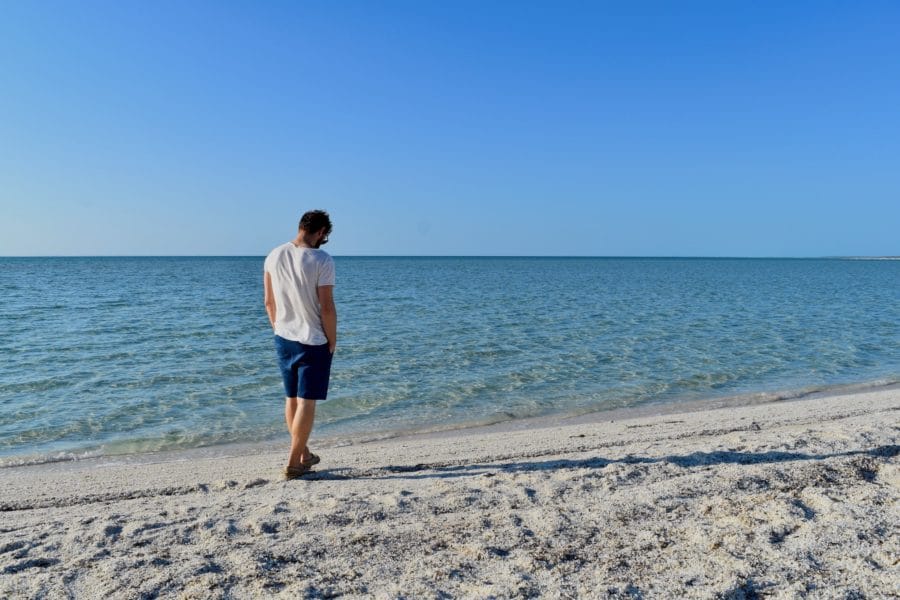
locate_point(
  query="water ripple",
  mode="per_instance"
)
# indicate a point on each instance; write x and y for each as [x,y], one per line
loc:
[155,353]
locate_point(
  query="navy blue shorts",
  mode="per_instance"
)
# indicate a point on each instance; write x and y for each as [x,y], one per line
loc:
[305,369]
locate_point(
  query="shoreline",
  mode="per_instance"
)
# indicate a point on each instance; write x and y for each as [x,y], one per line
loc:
[656,408]
[786,498]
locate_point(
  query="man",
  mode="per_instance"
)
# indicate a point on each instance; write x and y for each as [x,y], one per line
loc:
[299,284]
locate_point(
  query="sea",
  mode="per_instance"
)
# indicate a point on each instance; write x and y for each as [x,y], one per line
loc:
[115,356]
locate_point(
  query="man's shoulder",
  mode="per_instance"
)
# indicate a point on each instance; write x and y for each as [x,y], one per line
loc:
[278,251]
[321,256]
[324,268]
[281,249]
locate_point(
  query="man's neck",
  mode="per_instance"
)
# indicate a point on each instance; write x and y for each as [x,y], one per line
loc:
[302,241]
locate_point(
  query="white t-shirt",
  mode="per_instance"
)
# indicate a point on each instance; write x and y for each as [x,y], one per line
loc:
[296,273]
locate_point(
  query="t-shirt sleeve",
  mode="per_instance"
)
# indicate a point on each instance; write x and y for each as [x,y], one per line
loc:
[326,272]
[267,265]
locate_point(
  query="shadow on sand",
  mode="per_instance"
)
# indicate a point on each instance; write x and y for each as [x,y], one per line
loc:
[695,459]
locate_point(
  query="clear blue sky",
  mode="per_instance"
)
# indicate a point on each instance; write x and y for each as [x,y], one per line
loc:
[432,128]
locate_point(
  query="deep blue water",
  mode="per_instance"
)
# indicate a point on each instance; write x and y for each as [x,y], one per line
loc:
[116,355]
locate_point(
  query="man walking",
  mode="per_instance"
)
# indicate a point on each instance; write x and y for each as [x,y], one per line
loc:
[299,285]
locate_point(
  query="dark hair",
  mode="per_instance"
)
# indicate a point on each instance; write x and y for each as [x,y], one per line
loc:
[316,220]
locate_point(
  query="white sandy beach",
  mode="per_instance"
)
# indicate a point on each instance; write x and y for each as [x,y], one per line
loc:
[785,500]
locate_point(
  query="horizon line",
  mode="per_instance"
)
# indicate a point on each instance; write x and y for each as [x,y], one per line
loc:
[612,256]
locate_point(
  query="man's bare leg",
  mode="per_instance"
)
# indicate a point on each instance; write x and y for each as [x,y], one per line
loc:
[301,426]
[290,409]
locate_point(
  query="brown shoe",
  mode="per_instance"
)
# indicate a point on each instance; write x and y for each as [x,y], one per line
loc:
[313,460]
[295,472]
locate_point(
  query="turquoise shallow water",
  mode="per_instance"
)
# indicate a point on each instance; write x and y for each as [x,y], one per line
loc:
[118,355]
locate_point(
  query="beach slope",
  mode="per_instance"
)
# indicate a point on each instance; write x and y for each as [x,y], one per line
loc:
[789,499]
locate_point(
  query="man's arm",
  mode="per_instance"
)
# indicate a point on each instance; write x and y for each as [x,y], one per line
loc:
[269,298]
[329,314]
